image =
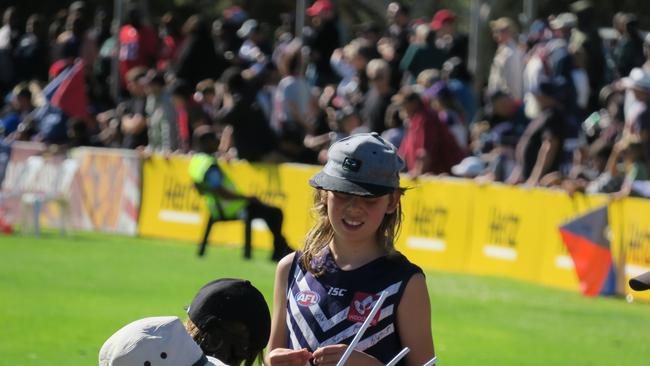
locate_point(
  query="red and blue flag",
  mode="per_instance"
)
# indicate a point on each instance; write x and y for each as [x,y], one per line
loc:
[586,239]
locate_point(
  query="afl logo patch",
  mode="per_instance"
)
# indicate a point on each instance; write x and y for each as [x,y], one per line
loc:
[307,298]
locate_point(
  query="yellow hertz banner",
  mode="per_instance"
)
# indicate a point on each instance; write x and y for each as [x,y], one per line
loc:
[452,225]
[434,231]
[630,223]
[171,208]
[505,233]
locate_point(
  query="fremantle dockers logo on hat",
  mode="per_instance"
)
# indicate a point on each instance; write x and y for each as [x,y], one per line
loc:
[307,298]
[351,164]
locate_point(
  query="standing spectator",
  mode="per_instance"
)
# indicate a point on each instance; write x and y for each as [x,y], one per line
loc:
[252,50]
[88,44]
[638,123]
[126,125]
[162,127]
[57,26]
[292,114]
[350,64]
[189,114]
[421,54]
[197,58]
[428,146]
[506,72]
[586,39]
[397,16]
[378,98]
[32,54]
[138,42]
[132,112]
[448,39]
[170,36]
[9,36]
[628,53]
[322,40]
[245,127]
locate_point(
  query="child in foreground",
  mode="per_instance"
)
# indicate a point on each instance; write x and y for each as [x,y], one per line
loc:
[324,293]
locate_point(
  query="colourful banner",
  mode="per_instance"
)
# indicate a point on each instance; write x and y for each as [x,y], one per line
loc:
[5,154]
[106,194]
[434,232]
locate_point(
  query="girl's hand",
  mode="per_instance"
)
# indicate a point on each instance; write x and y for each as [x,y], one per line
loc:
[288,357]
[330,356]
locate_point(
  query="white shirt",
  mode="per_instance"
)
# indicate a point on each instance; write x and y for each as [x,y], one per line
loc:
[506,72]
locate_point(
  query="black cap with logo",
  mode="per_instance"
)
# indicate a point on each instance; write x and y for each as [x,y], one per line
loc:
[230,299]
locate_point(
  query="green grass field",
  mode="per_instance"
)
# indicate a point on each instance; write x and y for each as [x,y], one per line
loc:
[61,297]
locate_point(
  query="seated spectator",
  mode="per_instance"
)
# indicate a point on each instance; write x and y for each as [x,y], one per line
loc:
[632,167]
[230,320]
[206,96]
[459,82]
[428,146]
[153,341]
[449,112]
[343,123]
[426,78]
[19,107]
[394,122]
[223,198]
[539,152]
[471,167]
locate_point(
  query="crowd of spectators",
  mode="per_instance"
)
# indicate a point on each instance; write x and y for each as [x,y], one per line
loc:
[562,106]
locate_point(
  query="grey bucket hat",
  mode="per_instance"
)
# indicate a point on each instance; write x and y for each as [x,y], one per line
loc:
[363,164]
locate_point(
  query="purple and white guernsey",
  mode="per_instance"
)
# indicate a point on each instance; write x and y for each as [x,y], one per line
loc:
[329,309]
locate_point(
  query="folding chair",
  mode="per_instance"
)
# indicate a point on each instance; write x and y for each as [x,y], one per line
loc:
[211,221]
[59,192]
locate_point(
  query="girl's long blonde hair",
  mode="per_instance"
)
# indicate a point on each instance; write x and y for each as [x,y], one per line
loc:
[322,233]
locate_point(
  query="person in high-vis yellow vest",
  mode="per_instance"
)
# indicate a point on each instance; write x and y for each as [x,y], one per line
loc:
[222,197]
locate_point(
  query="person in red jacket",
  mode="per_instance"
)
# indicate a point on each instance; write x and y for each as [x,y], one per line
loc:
[138,43]
[428,147]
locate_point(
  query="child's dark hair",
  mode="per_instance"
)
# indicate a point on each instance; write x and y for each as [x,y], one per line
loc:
[228,341]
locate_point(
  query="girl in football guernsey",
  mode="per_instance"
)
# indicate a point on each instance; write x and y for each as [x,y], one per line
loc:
[324,293]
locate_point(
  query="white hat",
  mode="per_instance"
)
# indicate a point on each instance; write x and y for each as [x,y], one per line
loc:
[638,79]
[153,341]
[563,20]
[470,167]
